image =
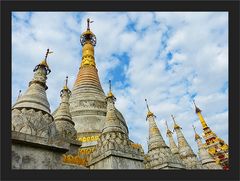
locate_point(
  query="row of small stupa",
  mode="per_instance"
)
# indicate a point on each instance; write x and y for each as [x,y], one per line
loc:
[114,132]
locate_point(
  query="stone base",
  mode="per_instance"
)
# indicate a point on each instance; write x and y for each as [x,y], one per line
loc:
[33,152]
[169,166]
[113,159]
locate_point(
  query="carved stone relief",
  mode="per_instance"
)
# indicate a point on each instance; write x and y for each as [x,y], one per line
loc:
[33,122]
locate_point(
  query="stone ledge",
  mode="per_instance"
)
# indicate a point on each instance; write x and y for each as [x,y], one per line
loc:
[117,154]
[170,166]
[41,142]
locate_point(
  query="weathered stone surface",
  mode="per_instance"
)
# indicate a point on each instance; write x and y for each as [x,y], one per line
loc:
[187,155]
[34,122]
[159,155]
[206,159]
[35,96]
[114,149]
[63,118]
[33,152]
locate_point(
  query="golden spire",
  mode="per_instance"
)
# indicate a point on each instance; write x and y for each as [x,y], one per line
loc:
[149,112]
[44,62]
[198,112]
[88,41]
[110,94]
[175,124]
[196,135]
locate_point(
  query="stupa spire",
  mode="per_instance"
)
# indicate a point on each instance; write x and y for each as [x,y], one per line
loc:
[114,142]
[172,143]
[88,73]
[198,112]
[206,159]
[186,153]
[88,41]
[31,113]
[62,116]
[157,146]
[35,96]
[112,123]
[215,145]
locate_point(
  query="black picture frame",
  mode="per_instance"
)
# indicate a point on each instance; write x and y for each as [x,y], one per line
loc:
[114,5]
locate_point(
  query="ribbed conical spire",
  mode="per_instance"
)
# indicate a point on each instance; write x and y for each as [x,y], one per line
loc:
[186,153]
[114,143]
[172,143]
[35,96]
[88,101]
[155,138]
[62,117]
[88,74]
[31,112]
[112,123]
[206,159]
[159,155]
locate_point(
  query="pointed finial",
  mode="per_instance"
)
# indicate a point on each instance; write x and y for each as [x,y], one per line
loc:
[88,23]
[166,125]
[110,94]
[66,82]
[147,105]
[48,52]
[110,86]
[44,62]
[194,128]
[173,118]
[196,108]
[65,88]
[149,112]
[19,94]
[194,103]
[168,130]
[196,135]
[175,124]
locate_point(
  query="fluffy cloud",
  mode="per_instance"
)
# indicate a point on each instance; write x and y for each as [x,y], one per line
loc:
[168,58]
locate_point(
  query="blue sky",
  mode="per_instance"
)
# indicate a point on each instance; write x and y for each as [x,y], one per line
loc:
[167,57]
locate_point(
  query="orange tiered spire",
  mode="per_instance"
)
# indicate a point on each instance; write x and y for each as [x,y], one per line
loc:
[215,145]
[88,74]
